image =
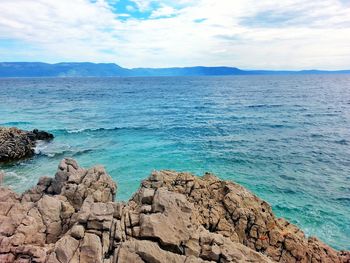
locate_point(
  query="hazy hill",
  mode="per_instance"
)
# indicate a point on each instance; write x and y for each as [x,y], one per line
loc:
[86,69]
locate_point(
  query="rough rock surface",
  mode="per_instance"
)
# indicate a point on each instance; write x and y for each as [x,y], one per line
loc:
[17,144]
[173,217]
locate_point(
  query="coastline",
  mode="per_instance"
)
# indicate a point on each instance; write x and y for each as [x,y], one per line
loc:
[173,217]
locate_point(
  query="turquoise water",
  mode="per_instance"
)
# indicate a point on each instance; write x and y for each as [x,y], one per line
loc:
[286,138]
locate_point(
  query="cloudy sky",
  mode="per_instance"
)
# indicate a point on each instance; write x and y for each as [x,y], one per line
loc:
[250,34]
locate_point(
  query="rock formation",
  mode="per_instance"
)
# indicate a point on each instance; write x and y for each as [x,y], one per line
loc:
[17,144]
[173,217]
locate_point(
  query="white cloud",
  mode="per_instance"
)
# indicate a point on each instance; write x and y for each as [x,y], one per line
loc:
[130,8]
[289,34]
[164,11]
[143,5]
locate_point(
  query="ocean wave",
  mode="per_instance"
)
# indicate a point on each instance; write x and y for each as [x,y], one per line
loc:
[289,209]
[264,106]
[277,126]
[286,177]
[16,123]
[343,200]
[342,142]
[315,135]
[66,153]
[11,175]
[84,130]
[91,130]
[53,150]
[321,114]
[40,146]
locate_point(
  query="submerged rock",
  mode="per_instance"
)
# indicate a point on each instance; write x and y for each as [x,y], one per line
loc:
[173,217]
[17,144]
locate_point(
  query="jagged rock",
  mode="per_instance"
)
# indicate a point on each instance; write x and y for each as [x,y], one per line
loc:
[147,251]
[17,144]
[36,135]
[169,221]
[77,231]
[91,249]
[65,249]
[173,217]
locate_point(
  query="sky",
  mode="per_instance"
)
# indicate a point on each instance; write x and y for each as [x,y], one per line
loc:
[249,34]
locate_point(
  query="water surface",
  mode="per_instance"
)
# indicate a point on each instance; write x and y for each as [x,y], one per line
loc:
[286,138]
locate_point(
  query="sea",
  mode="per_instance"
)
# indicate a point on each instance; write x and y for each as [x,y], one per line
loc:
[286,138]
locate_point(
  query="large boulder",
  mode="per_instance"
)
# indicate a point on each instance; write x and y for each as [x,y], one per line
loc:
[16,144]
[173,217]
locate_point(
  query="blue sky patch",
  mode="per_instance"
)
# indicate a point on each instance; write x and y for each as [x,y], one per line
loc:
[129,8]
[271,19]
[200,20]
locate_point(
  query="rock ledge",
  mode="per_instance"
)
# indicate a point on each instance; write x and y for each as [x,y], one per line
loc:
[173,217]
[17,144]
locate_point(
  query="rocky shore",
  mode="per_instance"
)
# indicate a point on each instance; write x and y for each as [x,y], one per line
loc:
[16,144]
[173,217]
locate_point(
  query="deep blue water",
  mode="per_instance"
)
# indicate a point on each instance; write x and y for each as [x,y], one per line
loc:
[286,138]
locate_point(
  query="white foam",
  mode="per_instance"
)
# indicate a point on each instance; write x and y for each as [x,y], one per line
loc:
[76,131]
[12,175]
[40,147]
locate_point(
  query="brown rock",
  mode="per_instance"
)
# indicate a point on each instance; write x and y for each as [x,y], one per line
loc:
[65,249]
[148,251]
[170,222]
[77,231]
[91,249]
[174,217]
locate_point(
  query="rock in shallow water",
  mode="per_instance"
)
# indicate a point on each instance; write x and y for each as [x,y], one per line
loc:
[36,135]
[16,144]
[173,217]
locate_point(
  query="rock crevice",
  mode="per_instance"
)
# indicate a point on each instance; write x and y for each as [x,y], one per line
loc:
[173,217]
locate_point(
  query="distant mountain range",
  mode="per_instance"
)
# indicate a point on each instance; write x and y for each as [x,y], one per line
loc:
[85,69]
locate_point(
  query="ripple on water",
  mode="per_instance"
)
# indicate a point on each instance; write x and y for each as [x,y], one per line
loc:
[283,137]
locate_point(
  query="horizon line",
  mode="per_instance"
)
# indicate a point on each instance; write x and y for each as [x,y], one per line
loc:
[182,67]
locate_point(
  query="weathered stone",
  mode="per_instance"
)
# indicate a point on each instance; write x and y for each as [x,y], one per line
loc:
[150,252]
[17,144]
[134,218]
[77,231]
[146,209]
[174,217]
[40,135]
[50,209]
[118,208]
[65,249]
[171,221]
[147,195]
[91,249]
[105,243]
